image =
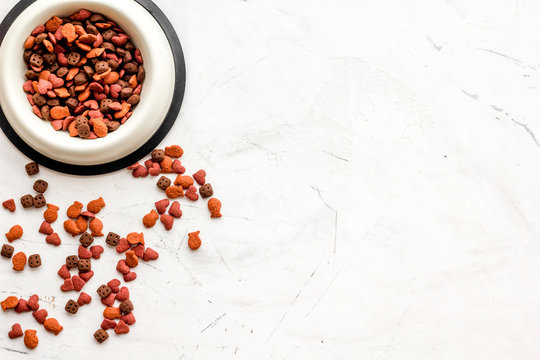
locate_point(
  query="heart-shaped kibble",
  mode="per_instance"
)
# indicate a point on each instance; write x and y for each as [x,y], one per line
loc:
[200,176]
[67,285]
[114,284]
[78,282]
[87,275]
[9,204]
[40,315]
[138,250]
[191,193]
[96,251]
[16,331]
[33,302]
[177,167]
[46,228]
[130,276]
[53,239]
[91,104]
[167,221]
[155,170]
[84,253]
[134,166]
[107,324]
[122,267]
[57,124]
[123,245]
[121,328]
[150,254]
[123,294]
[115,90]
[140,171]
[109,299]
[44,86]
[22,306]
[84,299]
[129,318]
[56,81]
[161,205]
[64,272]
[174,210]
[115,106]
[88,214]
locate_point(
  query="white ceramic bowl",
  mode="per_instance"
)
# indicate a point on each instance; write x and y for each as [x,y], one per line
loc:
[156,96]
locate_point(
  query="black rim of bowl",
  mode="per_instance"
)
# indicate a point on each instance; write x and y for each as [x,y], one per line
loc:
[143,150]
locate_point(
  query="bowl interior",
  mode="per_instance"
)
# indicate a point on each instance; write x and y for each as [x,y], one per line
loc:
[156,95]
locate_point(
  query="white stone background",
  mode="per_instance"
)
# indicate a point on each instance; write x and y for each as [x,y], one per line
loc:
[378,165]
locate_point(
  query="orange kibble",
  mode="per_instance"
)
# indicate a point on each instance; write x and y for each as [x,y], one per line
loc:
[214,205]
[150,219]
[14,233]
[134,238]
[84,95]
[19,261]
[82,224]
[51,214]
[174,192]
[194,241]
[99,77]
[81,87]
[82,62]
[184,181]
[79,30]
[44,75]
[53,24]
[131,259]
[62,92]
[125,108]
[9,303]
[29,43]
[59,112]
[83,47]
[174,151]
[95,206]
[97,53]
[52,325]
[71,73]
[30,339]
[68,31]
[96,226]
[71,227]
[133,82]
[166,165]
[72,129]
[100,129]
[74,210]
[112,313]
[111,78]
[48,45]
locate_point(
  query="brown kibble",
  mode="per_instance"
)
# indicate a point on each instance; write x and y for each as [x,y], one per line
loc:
[19,261]
[40,186]
[14,233]
[206,191]
[34,260]
[32,168]
[72,307]
[194,241]
[39,201]
[101,335]
[27,201]
[7,251]
[112,239]
[174,192]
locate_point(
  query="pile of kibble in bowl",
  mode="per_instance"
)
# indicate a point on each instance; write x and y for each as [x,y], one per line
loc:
[84,74]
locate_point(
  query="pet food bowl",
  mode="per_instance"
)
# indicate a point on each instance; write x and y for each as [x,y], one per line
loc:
[161,97]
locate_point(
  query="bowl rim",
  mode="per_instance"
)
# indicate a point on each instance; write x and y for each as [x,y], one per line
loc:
[142,150]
